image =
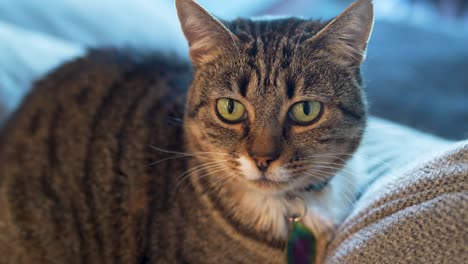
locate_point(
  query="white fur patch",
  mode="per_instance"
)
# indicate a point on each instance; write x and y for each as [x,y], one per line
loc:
[279,174]
[326,208]
[249,169]
[266,211]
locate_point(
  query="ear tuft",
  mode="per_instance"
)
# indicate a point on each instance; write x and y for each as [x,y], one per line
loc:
[205,34]
[347,35]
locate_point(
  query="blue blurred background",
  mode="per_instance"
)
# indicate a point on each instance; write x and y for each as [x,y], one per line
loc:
[416,72]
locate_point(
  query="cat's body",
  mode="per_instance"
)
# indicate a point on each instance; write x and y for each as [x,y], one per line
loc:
[107,161]
[78,181]
[76,175]
[82,187]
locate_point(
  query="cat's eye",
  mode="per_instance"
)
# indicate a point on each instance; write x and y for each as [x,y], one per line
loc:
[230,110]
[306,112]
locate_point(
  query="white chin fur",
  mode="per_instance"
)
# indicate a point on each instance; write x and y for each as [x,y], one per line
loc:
[326,208]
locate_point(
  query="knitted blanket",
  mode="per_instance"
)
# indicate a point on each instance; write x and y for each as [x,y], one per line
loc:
[416,212]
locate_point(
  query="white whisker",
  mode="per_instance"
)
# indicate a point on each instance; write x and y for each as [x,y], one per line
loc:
[334,155]
[209,172]
[186,153]
[205,166]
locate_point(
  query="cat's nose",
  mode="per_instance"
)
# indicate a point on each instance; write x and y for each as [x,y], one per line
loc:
[263,161]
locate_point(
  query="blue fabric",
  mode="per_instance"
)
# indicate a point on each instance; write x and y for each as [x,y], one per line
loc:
[414,75]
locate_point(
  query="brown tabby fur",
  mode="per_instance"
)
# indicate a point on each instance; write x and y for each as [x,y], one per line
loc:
[77,184]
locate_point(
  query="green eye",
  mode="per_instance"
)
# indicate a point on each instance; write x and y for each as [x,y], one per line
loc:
[230,110]
[306,112]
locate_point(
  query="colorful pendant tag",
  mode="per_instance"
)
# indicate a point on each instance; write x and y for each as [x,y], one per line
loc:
[301,245]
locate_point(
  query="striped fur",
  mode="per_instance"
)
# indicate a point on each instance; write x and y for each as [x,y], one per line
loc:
[77,183]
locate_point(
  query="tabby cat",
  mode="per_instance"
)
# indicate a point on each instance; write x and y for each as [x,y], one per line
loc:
[138,157]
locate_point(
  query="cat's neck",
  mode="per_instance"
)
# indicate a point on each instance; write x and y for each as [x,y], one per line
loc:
[264,215]
[258,215]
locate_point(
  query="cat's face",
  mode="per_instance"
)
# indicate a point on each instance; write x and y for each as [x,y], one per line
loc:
[273,105]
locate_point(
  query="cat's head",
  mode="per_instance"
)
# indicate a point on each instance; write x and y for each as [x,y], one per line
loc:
[275,105]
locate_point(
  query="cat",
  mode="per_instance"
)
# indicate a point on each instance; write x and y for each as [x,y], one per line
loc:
[127,156]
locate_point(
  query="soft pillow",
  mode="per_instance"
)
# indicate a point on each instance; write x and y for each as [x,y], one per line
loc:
[24,57]
[137,23]
[34,38]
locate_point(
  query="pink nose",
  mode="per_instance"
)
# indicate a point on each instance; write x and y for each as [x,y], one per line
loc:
[263,161]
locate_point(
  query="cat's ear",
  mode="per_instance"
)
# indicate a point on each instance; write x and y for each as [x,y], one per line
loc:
[205,34]
[347,35]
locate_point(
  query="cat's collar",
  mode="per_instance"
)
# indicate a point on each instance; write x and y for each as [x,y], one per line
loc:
[316,186]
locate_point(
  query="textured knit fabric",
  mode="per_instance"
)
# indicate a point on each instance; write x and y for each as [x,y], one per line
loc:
[417,213]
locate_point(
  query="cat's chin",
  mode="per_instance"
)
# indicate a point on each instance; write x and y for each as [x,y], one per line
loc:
[268,186]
